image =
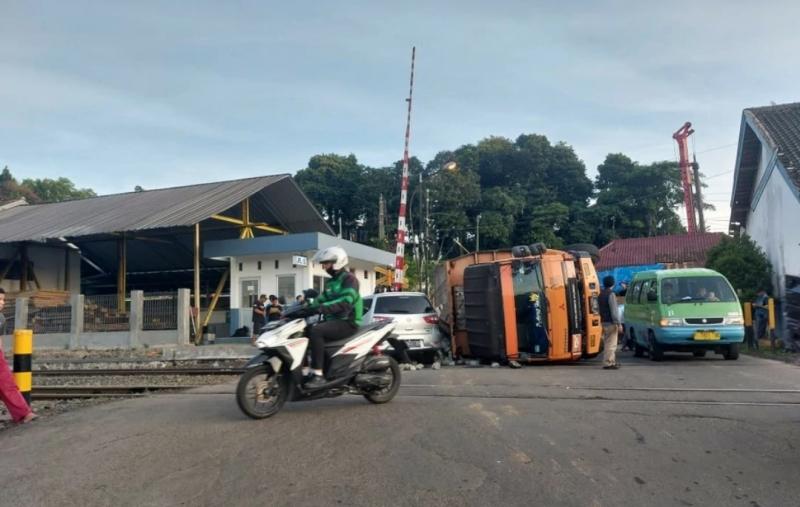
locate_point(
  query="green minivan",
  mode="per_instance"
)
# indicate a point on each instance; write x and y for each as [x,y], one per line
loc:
[684,310]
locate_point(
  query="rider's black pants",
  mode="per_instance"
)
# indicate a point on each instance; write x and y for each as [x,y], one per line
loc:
[328,331]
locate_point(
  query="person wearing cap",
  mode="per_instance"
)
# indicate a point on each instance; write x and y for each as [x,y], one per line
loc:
[612,324]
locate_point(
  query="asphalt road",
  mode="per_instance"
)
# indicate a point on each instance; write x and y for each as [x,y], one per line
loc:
[683,432]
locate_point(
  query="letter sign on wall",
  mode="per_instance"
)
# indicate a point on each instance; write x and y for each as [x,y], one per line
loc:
[299,260]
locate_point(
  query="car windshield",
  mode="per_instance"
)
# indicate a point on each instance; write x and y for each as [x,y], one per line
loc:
[692,289]
[403,304]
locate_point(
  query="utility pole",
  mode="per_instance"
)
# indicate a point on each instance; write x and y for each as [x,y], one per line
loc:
[478,233]
[382,219]
[426,251]
[698,193]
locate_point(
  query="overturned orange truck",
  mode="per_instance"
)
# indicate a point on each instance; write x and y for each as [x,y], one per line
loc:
[526,304]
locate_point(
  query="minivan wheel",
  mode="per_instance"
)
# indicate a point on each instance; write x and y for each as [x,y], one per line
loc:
[731,352]
[655,351]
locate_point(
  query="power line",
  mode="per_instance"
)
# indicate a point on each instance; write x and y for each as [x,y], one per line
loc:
[716,148]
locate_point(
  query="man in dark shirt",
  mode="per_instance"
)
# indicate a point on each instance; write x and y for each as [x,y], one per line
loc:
[274,309]
[612,324]
[259,316]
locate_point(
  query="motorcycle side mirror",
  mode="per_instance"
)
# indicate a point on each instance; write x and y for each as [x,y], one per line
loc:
[310,293]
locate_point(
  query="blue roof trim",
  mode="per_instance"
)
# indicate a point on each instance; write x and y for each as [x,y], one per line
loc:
[774,161]
[296,244]
[737,167]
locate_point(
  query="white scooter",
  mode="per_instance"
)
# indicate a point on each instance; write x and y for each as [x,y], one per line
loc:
[354,365]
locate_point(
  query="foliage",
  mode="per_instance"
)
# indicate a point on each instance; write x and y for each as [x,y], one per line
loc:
[40,191]
[636,200]
[10,189]
[58,190]
[743,263]
[525,190]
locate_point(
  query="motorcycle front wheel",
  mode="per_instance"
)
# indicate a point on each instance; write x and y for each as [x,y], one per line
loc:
[386,394]
[261,392]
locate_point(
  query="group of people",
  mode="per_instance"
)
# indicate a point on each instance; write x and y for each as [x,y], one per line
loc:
[264,312]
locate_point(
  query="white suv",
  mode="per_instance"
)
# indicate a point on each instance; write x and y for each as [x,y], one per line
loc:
[417,323]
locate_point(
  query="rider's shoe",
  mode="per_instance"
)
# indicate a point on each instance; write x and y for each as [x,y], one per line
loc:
[315,382]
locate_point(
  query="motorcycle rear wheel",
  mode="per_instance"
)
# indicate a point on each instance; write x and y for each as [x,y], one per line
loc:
[261,392]
[386,394]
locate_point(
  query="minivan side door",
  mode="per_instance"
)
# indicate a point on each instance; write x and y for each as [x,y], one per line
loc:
[649,290]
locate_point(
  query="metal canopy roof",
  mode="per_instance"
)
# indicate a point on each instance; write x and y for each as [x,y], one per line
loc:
[276,200]
[295,243]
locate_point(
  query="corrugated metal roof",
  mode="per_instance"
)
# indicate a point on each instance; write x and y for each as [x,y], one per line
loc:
[676,248]
[278,198]
[782,124]
[779,127]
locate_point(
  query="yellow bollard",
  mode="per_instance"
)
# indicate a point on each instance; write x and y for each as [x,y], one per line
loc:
[23,349]
[771,322]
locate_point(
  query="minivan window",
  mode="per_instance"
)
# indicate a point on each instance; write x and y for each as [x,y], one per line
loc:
[645,289]
[634,292]
[692,289]
[403,304]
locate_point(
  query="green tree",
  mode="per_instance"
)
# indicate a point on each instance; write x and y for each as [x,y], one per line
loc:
[10,189]
[636,200]
[61,189]
[335,183]
[743,263]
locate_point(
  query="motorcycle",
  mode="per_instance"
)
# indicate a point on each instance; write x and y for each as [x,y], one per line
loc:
[354,365]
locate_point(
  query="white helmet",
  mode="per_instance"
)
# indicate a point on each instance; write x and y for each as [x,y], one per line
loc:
[334,254]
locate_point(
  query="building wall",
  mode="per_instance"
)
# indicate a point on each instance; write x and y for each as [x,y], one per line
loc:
[267,276]
[50,265]
[773,226]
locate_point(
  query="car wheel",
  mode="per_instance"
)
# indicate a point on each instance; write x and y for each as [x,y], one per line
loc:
[731,353]
[699,353]
[655,351]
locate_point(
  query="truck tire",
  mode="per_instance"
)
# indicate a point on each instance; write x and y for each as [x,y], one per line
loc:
[589,248]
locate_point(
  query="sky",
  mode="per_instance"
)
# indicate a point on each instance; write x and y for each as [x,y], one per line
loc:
[118,94]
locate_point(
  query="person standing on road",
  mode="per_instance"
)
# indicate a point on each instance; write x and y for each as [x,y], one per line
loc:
[274,309]
[761,310]
[612,324]
[259,316]
[9,392]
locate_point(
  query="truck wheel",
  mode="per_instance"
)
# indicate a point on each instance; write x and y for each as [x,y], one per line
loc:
[655,351]
[589,248]
[731,353]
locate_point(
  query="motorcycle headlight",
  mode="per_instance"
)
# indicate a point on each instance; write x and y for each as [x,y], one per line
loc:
[734,321]
[671,322]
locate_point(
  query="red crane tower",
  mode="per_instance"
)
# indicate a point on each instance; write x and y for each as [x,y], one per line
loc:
[681,135]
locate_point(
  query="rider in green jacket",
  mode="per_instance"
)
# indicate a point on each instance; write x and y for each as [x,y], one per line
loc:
[340,305]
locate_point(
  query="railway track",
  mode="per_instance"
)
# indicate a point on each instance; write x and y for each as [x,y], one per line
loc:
[82,392]
[137,371]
